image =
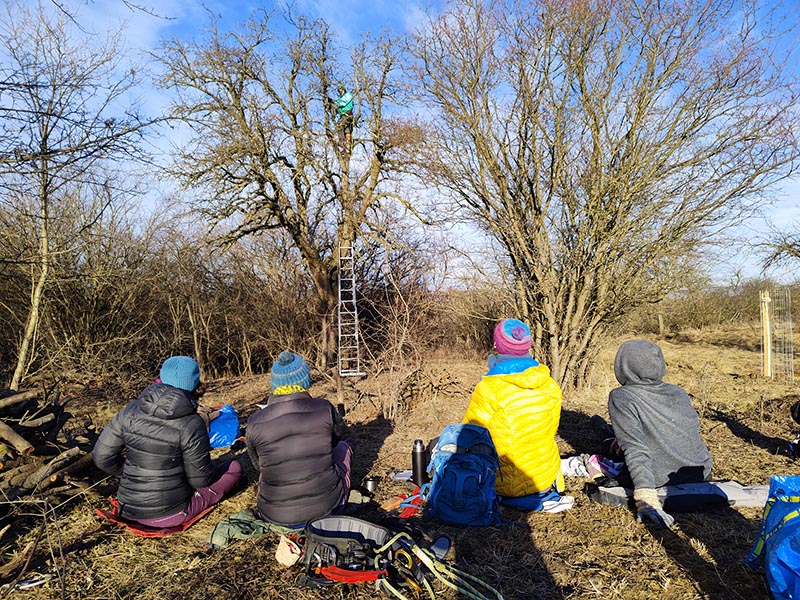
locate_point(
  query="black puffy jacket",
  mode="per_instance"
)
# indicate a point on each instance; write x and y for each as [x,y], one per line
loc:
[158,445]
[291,441]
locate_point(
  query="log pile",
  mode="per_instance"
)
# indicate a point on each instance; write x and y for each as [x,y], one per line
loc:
[38,456]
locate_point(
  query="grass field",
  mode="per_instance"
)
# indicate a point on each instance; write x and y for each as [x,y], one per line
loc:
[591,551]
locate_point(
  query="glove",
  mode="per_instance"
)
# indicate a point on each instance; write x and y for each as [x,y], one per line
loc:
[657,517]
[648,507]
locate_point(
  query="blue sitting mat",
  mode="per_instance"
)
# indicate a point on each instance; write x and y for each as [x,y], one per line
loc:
[224,429]
[684,497]
[531,501]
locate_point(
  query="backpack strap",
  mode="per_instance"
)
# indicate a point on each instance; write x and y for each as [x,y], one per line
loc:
[413,503]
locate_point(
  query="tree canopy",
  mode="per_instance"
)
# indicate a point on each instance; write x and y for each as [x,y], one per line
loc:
[602,143]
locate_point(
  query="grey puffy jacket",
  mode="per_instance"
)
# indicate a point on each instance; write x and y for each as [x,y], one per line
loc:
[291,442]
[158,445]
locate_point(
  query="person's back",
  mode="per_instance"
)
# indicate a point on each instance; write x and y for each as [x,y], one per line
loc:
[656,427]
[159,447]
[155,427]
[520,404]
[293,442]
[344,104]
[654,422]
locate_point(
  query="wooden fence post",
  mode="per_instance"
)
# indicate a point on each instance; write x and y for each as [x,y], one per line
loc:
[766,335]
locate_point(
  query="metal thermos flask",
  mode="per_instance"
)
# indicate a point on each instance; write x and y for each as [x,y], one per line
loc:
[419,463]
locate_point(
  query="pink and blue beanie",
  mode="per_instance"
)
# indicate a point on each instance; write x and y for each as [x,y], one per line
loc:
[512,336]
[181,372]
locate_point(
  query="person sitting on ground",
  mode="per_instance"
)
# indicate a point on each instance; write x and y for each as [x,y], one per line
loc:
[158,446]
[296,444]
[656,427]
[520,404]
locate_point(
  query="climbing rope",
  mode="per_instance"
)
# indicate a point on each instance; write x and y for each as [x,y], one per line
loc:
[468,585]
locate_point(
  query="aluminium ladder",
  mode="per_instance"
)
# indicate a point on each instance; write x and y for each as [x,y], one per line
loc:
[349,355]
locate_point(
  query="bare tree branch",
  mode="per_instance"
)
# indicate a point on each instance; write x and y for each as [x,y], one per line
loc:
[267,147]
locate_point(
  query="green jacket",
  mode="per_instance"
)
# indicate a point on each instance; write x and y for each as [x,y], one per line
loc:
[344,104]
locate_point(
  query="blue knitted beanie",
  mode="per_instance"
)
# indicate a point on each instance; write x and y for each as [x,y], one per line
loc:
[289,369]
[181,372]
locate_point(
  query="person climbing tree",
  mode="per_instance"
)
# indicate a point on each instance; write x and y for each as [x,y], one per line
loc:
[344,116]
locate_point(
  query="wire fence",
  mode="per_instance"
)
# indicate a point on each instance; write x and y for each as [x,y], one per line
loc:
[777,335]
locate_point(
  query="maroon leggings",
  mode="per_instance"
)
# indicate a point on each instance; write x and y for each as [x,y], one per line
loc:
[225,478]
[342,459]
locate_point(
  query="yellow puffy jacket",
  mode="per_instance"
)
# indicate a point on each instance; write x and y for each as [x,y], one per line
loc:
[522,411]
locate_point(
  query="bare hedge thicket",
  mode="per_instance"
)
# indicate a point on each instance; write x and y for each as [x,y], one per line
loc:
[706,306]
[135,292]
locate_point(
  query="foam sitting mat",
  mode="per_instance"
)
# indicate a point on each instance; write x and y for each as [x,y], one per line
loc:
[144,530]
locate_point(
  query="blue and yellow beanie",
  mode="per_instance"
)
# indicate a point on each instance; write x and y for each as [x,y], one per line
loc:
[289,369]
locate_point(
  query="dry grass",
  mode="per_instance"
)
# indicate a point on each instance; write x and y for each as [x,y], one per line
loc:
[592,551]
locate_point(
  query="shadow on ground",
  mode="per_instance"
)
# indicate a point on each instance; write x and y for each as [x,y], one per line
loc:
[704,545]
[773,445]
[578,431]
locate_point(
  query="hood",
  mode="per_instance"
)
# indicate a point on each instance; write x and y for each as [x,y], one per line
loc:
[532,378]
[166,402]
[639,362]
[500,364]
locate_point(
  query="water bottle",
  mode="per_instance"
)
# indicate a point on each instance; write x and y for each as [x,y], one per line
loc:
[419,463]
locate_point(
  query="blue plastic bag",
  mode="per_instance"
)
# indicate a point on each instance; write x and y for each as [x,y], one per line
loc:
[777,547]
[224,430]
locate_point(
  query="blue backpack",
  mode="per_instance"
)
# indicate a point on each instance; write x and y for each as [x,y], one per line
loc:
[463,470]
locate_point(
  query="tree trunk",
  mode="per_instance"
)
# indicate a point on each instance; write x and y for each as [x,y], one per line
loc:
[20,443]
[44,264]
[33,316]
[328,338]
[20,397]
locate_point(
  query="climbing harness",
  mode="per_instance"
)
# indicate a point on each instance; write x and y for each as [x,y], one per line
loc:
[341,549]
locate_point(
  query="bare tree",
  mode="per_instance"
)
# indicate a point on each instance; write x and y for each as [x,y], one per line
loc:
[782,246]
[267,151]
[602,143]
[64,115]
[102,313]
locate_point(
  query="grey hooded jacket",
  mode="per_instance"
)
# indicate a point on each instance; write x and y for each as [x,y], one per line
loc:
[158,446]
[654,422]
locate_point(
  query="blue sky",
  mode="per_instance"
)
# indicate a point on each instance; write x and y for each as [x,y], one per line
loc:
[182,18]
[186,18]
